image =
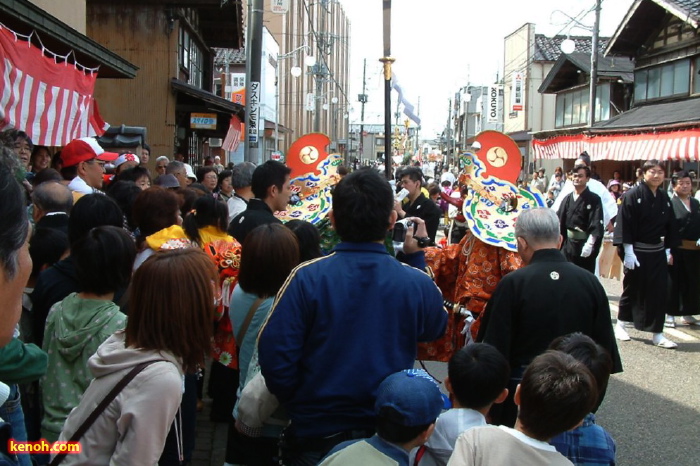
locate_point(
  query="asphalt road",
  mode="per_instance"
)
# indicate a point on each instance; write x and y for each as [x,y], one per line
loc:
[652,409]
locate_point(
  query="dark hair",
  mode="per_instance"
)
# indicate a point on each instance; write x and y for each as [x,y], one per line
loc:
[56,161]
[556,393]
[8,138]
[222,176]
[308,237]
[68,173]
[187,197]
[592,355]
[93,210]
[47,174]
[147,147]
[52,196]
[242,175]
[155,208]
[133,174]
[584,168]
[362,205]
[203,171]
[270,173]
[103,259]
[205,212]
[445,183]
[200,187]
[433,190]
[342,170]
[176,319]
[269,254]
[389,427]
[46,247]
[413,173]
[14,226]
[649,164]
[478,374]
[125,193]
[678,175]
[585,157]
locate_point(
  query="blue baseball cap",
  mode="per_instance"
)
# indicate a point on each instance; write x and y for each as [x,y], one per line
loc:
[413,394]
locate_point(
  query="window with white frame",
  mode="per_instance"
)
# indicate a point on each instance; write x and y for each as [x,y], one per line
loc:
[572,107]
[190,58]
[667,80]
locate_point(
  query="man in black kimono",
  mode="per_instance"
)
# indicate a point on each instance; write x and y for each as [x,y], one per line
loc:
[581,219]
[684,294]
[418,204]
[547,298]
[645,232]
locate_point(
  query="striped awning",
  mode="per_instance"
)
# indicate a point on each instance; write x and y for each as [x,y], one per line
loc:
[681,145]
[51,99]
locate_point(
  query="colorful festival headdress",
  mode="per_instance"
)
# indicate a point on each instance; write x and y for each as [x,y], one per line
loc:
[314,173]
[493,201]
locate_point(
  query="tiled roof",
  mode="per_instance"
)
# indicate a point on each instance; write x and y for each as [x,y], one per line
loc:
[692,7]
[548,48]
[654,115]
[229,56]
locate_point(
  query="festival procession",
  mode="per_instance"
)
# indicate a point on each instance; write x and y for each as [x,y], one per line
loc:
[234,261]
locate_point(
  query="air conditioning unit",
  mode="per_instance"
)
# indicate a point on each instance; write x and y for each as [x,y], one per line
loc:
[215,142]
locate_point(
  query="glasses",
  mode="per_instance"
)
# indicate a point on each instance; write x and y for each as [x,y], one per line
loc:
[656,172]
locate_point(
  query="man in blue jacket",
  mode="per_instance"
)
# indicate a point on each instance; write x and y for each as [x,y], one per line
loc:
[342,323]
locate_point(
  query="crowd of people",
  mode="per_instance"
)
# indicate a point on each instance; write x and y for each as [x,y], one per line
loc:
[122,289]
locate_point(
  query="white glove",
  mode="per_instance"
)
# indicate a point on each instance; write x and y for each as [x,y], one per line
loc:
[669,257]
[697,243]
[588,247]
[630,260]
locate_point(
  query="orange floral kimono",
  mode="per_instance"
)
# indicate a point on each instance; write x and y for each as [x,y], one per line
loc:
[467,274]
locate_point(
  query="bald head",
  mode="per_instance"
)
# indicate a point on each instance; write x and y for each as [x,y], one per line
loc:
[51,196]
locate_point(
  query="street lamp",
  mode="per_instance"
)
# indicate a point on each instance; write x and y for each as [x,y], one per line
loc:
[295,71]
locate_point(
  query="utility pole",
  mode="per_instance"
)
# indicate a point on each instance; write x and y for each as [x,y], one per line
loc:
[418,129]
[594,66]
[387,60]
[448,130]
[319,74]
[252,85]
[363,101]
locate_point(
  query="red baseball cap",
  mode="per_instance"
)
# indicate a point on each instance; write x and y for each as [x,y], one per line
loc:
[83,150]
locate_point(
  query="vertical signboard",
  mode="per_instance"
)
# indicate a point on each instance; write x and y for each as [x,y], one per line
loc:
[279,6]
[516,95]
[237,88]
[494,104]
[253,109]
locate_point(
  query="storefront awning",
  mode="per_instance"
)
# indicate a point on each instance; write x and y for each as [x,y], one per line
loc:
[681,145]
[206,99]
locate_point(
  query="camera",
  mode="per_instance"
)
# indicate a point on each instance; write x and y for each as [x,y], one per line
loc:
[400,229]
[398,235]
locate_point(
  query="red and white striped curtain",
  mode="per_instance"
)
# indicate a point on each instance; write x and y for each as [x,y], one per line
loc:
[681,145]
[233,135]
[49,99]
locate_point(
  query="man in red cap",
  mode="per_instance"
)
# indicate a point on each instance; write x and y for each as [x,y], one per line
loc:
[83,163]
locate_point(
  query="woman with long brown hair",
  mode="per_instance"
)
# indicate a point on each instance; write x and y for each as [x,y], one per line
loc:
[169,329]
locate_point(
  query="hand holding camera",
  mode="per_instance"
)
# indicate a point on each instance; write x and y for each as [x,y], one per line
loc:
[410,235]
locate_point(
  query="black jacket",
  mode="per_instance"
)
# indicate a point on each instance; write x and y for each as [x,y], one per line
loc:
[258,213]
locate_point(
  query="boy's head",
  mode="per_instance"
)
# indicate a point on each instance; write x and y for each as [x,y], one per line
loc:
[556,393]
[103,259]
[592,355]
[407,405]
[477,376]
[363,207]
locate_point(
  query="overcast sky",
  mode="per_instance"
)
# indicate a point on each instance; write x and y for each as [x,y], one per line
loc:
[442,45]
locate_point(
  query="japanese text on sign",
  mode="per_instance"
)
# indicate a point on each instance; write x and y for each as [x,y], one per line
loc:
[253,112]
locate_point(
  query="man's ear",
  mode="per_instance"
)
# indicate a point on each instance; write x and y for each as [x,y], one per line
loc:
[272,191]
[561,239]
[392,219]
[516,397]
[331,216]
[448,385]
[522,243]
[502,397]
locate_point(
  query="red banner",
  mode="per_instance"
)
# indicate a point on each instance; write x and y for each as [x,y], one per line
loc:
[50,99]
